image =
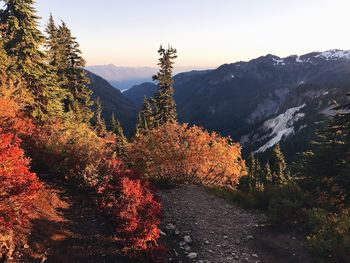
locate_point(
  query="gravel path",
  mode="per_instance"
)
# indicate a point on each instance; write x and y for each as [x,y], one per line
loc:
[201,227]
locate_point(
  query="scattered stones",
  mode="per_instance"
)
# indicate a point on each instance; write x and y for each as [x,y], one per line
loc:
[206,235]
[170,227]
[188,239]
[187,248]
[182,243]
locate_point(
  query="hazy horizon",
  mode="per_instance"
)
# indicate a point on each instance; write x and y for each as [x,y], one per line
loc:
[206,33]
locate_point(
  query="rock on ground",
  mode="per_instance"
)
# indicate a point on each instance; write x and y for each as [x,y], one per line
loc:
[201,227]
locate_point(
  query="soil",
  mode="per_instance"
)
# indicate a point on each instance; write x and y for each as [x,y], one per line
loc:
[221,232]
[65,226]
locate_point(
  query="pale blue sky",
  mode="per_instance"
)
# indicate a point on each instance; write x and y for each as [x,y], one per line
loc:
[206,32]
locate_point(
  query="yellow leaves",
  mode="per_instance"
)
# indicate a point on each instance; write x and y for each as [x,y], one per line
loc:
[178,153]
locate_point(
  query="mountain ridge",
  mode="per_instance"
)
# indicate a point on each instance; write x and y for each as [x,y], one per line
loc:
[236,99]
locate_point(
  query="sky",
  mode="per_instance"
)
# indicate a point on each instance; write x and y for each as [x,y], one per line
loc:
[206,33]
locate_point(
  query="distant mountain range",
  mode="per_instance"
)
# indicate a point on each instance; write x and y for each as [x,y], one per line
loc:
[259,103]
[264,101]
[124,78]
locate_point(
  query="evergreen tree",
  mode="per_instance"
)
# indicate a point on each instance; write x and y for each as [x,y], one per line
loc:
[98,121]
[267,174]
[145,119]
[254,179]
[325,168]
[163,103]
[65,57]
[52,44]
[280,174]
[121,140]
[22,42]
[138,129]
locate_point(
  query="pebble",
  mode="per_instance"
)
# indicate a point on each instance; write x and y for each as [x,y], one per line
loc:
[188,239]
[170,226]
[187,248]
[192,255]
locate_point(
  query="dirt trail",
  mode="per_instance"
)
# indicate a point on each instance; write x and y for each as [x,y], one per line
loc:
[197,226]
[66,227]
[201,227]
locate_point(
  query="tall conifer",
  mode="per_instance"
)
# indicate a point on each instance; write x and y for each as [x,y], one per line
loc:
[163,103]
[121,140]
[98,121]
[22,42]
[66,59]
[280,173]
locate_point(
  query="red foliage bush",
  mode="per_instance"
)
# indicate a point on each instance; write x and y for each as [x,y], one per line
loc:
[18,185]
[128,201]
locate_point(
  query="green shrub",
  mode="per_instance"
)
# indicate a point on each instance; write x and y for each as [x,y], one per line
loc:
[330,239]
[285,204]
[250,200]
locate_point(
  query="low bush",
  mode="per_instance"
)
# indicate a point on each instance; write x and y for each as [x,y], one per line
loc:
[71,149]
[285,204]
[177,153]
[329,240]
[18,185]
[129,203]
[248,200]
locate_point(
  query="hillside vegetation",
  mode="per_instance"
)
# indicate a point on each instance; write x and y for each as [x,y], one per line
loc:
[70,182]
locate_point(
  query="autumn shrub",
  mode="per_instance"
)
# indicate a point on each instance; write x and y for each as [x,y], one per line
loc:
[129,203]
[177,153]
[72,149]
[18,185]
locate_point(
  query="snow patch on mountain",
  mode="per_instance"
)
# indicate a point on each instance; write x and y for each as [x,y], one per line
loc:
[278,61]
[281,126]
[334,54]
[298,59]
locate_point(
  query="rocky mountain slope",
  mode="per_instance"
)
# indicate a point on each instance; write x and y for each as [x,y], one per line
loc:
[263,101]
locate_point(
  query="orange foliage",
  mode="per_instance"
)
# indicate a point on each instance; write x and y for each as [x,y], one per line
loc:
[71,149]
[128,201]
[12,103]
[18,185]
[183,154]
